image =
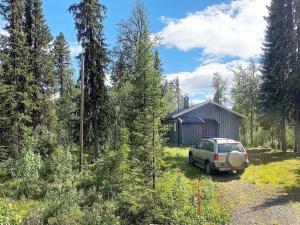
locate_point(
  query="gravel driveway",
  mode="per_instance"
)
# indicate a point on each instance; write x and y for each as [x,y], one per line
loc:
[252,204]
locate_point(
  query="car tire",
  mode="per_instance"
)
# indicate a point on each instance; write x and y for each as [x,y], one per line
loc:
[240,172]
[191,160]
[208,168]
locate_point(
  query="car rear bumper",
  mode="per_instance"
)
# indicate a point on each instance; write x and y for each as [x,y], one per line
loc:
[224,166]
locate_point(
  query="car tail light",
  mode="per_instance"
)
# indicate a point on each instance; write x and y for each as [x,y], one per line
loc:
[246,156]
[216,157]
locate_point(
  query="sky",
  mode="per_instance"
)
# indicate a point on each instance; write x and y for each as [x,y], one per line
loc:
[199,37]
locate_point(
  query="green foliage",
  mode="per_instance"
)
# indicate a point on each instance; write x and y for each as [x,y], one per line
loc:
[46,141]
[38,38]
[62,204]
[6,216]
[67,102]
[89,17]
[220,87]
[101,213]
[174,201]
[60,164]
[245,94]
[16,77]
[28,166]
[172,95]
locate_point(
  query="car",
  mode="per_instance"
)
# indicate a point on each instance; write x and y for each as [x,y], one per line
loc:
[219,154]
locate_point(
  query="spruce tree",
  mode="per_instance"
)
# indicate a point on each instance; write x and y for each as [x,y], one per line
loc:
[16,78]
[276,65]
[38,38]
[89,16]
[62,60]
[178,93]
[65,87]
[146,106]
[296,81]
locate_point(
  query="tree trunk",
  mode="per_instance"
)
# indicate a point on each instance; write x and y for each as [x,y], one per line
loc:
[297,131]
[153,156]
[251,129]
[283,136]
[96,139]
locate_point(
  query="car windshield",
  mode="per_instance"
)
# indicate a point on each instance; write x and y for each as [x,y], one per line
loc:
[224,148]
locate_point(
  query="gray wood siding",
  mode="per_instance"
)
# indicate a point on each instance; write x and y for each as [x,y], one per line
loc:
[228,122]
[191,133]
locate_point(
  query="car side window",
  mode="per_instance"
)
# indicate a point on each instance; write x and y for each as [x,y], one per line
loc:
[204,145]
[210,147]
[200,145]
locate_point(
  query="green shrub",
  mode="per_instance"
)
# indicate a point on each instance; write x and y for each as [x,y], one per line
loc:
[46,141]
[174,201]
[101,213]
[10,188]
[6,216]
[62,206]
[27,170]
[59,166]
[28,165]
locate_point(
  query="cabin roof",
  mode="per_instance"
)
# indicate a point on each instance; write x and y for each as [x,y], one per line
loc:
[181,112]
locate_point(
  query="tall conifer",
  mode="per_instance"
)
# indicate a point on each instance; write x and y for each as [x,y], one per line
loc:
[89,16]
[65,88]
[16,76]
[38,38]
[275,68]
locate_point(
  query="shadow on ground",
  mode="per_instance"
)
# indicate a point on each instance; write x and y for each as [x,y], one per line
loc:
[285,196]
[263,156]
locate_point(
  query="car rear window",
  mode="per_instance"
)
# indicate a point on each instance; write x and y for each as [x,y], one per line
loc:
[224,148]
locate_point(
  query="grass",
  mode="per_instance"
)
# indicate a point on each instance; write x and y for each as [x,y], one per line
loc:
[267,168]
[273,168]
[177,159]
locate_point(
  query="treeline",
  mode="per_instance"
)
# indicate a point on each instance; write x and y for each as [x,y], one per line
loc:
[123,179]
[268,92]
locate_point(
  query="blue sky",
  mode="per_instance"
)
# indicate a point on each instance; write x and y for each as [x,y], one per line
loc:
[200,37]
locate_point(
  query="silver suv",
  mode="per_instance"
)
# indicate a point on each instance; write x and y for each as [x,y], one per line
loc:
[219,154]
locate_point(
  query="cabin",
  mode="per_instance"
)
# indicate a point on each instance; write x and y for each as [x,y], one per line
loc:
[204,120]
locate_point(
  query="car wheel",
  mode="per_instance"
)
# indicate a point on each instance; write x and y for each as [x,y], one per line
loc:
[208,169]
[191,160]
[240,172]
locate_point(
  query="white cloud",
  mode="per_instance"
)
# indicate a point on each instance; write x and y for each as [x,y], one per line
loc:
[198,82]
[76,49]
[235,29]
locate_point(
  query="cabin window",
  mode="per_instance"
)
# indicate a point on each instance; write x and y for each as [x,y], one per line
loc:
[174,127]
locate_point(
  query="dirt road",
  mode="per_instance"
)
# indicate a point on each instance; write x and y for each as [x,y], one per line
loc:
[252,204]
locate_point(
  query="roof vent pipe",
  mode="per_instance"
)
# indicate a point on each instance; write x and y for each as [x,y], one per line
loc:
[186,102]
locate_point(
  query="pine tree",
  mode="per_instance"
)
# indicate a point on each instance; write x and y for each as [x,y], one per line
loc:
[16,78]
[220,87]
[38,38]
[89,16]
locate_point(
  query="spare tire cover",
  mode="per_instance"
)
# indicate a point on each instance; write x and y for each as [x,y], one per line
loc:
[235,159]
